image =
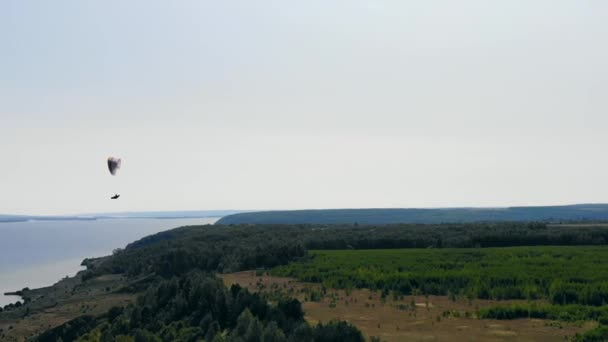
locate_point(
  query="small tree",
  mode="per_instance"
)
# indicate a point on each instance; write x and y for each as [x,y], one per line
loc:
[272,333]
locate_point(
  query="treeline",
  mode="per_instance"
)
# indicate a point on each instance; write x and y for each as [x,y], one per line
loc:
[571,313]
[561,275]
[197,306]
[207,248]
[233,248]
[453,236]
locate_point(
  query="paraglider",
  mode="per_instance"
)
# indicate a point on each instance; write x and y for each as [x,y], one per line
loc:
[113,167]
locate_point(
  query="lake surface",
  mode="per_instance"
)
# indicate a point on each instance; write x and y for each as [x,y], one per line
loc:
[39,253]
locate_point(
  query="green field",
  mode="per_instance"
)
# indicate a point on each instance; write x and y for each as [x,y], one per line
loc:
[559,275]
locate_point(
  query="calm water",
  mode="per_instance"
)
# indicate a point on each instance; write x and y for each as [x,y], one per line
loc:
[39,253]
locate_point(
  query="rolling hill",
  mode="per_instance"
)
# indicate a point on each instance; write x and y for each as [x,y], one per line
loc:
[566,213]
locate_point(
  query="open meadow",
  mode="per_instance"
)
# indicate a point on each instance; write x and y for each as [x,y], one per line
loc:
[407,318]
[566,284]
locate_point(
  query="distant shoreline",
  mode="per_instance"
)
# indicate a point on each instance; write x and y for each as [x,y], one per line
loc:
[95,218]
[108,218]
[22,294]
[158,215]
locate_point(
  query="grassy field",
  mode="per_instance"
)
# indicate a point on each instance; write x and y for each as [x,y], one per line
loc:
[559,283]
[560,275]
[52,306]
[409,318]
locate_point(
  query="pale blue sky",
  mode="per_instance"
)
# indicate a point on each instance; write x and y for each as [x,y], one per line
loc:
[308,104]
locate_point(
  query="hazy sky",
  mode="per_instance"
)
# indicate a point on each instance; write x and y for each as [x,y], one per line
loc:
[302,104]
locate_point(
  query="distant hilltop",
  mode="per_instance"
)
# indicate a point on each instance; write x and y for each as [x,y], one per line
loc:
[566,213]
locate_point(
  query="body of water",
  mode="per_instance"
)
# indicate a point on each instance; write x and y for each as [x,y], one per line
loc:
[39,253]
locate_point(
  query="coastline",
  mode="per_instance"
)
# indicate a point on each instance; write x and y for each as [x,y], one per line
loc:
[36,254]
[25,293]
[37,277]
[47,307]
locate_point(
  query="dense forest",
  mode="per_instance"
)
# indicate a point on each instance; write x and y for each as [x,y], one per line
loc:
[567,213]
[183,301]
[198,307]
[559,275]
[216,248]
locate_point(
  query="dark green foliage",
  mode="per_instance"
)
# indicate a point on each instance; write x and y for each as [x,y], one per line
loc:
[598,334]
[562,275]
[225,249]
[197,306]
[337,331]
[142,335]
[292,309]
[207,248]
[69,331]
[452,236]
[545,311]
[272,333]
[213,330]
[303,333]
[113,313]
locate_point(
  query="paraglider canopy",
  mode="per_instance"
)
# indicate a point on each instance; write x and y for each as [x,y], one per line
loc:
[113,165]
